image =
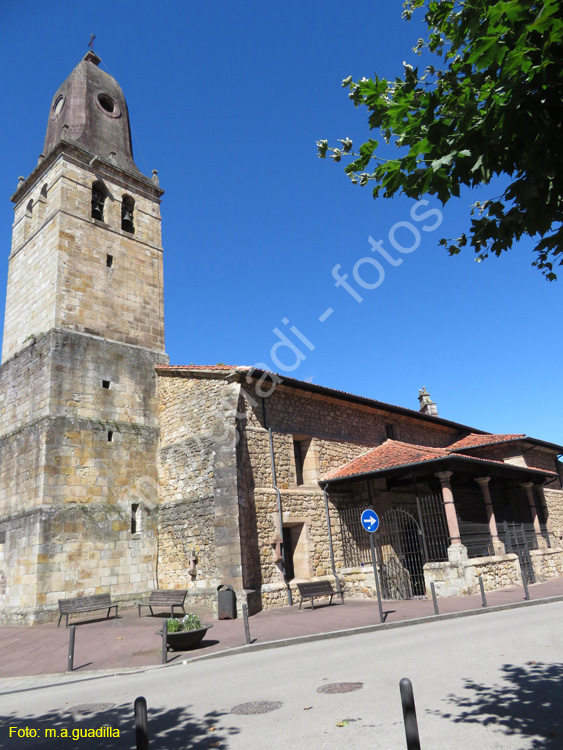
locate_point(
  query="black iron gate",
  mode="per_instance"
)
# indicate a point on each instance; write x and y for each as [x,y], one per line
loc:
[400,556]
[519,539]
[434,527]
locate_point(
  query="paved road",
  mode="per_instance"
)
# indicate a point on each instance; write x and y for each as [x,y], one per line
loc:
[482,683]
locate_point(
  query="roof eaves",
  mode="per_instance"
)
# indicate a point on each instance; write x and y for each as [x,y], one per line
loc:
[450,457]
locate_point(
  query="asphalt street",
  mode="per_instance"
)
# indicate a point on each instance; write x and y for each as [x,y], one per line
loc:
[480,682]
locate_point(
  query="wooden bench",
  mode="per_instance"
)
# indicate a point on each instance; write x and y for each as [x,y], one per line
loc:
[317,588]
[165,598]
[85,604]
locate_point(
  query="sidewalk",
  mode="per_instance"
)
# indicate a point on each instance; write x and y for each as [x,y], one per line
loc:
[131,642]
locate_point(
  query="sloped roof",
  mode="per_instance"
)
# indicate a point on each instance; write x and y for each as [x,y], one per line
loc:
[474,441]
[393,454]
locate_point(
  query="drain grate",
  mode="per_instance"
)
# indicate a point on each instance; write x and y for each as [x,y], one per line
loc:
[90,708]
[256,707]
[340,687]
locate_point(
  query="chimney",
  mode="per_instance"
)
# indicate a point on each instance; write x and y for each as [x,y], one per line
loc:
[427,406]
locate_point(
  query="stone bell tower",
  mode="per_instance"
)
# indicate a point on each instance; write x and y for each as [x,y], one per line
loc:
[83,332]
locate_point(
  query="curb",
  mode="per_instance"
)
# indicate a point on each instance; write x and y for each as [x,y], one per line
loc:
[268,645]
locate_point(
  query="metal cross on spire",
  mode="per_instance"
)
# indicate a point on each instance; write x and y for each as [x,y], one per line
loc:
[91,42]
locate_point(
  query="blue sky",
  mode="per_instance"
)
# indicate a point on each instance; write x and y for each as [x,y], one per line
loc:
[227,100]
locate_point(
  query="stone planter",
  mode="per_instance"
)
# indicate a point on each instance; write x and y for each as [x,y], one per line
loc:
[186,639]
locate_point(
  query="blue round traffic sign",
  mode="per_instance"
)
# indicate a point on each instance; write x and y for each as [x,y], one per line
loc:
[370,520]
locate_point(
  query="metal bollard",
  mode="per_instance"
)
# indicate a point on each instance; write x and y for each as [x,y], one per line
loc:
[525,582]
[435,601]
[164,643]
[141,724]
[71,648]
[483,597]
[409,714]
[246,625]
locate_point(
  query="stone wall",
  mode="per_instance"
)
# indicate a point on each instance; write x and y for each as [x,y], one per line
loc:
[547,563]
[554,502]
[58,273]
[199,527]
[298,412]
[78,410]
[52,553]
[458,578]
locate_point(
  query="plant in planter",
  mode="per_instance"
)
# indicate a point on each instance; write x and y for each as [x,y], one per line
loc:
[185,632]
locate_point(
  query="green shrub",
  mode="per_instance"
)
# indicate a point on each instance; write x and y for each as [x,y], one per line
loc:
[192,622]
[189,622]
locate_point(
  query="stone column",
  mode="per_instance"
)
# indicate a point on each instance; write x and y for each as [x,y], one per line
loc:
[527,487]
[498,546]
[456,550]
[541,494]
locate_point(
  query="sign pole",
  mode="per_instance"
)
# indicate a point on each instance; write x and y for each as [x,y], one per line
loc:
[376,576]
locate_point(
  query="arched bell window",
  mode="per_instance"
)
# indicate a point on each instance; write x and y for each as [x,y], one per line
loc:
[127,214]
[99,195]
[41,205]
[28,220]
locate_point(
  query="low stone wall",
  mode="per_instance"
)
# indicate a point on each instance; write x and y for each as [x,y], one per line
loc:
[554,503]
[547,563]
[359,582]
[462,578]
[275,594]
[498,572]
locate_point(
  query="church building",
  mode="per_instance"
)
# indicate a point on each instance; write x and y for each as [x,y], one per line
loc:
[121,473]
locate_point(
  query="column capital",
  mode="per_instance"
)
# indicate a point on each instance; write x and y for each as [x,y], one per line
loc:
[482,480]
[443,476]
[526,485]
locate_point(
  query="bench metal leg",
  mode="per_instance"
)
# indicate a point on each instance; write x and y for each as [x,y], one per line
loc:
[300,601]
[312,604]
[66,626]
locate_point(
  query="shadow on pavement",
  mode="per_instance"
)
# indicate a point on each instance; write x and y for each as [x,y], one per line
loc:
[527,700]
[170,728]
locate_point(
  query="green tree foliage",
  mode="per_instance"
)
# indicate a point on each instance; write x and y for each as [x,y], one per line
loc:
[491,106]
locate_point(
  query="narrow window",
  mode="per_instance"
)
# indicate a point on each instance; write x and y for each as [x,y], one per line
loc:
[109,261]
[135,518]
[389,432]
[106,384]
[298,462]
[27,220]
[98,200]
[127,210]
[110,436]
[41,205]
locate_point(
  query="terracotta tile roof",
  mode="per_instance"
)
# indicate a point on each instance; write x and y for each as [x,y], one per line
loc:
[474,440]
[389,454]
[393,454]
